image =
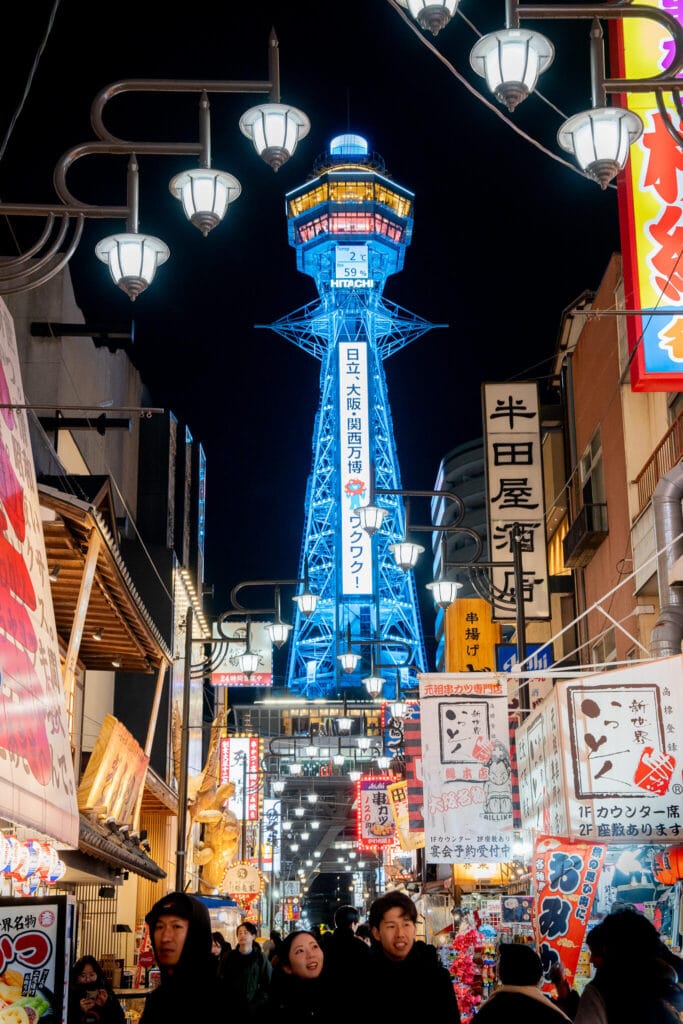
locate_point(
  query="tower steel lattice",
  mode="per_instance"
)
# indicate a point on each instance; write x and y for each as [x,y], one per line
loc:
[350,225]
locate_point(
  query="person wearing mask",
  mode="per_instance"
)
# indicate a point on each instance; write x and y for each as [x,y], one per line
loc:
[403,975]
[246,975]
[344,954]
[519,996]
[91,997]
[301,990]
[220,947]
[180,933]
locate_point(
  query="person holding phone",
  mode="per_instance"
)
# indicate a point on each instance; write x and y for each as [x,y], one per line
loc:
[91,997]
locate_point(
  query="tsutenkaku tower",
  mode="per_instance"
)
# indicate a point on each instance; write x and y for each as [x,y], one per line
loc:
[350,225]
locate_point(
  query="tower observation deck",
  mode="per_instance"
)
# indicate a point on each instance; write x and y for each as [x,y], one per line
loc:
[350,225]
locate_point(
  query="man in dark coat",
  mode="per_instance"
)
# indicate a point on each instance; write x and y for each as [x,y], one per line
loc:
[180,932]
[345,955]
[519,996]
[405,977]
[246,975]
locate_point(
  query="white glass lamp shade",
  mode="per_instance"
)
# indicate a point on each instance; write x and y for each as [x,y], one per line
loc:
[406,554]
[279,786]
[364,742]
[311,751]
[338,760]
[305,836]
[205,195]
[278,632]
[444,592]
[511,61]
[248,662]
[275,129]
[287,825]
[383,763]
[354,776]
[600,140]
[371,518]
[295,768]
[307,602]
[373,684]
[398,709]
[432,15]
[312,798]
[299,812]
[294,847]
[344,724]
[348,660]
[132,259]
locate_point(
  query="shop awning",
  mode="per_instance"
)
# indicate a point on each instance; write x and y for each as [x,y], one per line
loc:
[98,841]
[115,610]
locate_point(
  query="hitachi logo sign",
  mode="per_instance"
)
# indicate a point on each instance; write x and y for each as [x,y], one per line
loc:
[352,283]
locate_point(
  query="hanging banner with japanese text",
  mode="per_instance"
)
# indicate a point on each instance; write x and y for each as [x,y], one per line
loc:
[412,737]
[598,758]
[37,787]
[650,209]
[373,814]
[566,876]
[471,636]
[240,761]
[354,467]
[514,482]
[468,808]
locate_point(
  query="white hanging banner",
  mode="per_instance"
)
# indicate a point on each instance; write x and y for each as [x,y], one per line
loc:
[466,768]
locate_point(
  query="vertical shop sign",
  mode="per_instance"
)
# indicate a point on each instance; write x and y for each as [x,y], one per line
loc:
[650,209]
[37,787]
[566,876]
[35,943]
[373,813]
[471,636]
[468,806]
[514,480]
[240,758]
[398,801]
[412,740]
[354,466]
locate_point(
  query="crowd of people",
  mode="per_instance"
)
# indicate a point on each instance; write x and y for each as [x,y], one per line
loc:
[306,976]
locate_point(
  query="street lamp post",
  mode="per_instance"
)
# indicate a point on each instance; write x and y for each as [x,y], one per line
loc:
[512,58]
[274,128]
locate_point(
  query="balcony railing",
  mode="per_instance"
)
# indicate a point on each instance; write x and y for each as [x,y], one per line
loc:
[664,457]
[585,535]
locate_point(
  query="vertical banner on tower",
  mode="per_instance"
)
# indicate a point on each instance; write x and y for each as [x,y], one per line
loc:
[468,808]
[650,210]
[514,480]
[354,466]
[566,877]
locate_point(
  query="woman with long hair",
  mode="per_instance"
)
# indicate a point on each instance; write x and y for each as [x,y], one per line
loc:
[91,997]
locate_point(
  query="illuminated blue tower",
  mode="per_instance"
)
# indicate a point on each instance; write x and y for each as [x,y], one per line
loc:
[350,226]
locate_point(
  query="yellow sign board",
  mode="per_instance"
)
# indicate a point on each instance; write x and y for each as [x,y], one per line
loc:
[471,636]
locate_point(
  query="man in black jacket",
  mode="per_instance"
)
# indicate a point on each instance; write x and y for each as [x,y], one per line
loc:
[406,975]
[180,932]
[345,955]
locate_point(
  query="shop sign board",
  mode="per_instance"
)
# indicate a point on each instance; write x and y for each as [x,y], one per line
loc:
[240,760]
[649,209]
[471,636]
[599,757]
[514,483]
[376,828]
[36,936]
[412,746]
[113,783]
[227,671]
[271,846]
[398,801]
[468,807]
[37,786]
[566,875]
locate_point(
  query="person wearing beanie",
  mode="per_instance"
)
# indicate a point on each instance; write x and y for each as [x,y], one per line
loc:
[180,933]
[519,996]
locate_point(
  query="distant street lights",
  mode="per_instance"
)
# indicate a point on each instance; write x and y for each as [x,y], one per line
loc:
[274,128]
[512,58]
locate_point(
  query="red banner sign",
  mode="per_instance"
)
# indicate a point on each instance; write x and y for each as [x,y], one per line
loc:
[566,875]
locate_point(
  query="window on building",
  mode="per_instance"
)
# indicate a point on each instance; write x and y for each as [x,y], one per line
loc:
[604,650]
[591,473]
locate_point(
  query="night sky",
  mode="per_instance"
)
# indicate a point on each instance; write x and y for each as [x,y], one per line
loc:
[504,239]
